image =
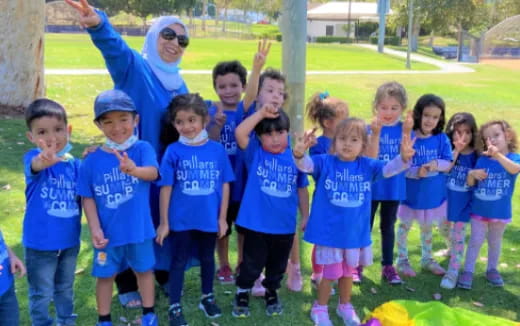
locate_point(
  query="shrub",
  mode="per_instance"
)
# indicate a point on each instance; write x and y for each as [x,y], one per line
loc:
[333,39]
[389,40]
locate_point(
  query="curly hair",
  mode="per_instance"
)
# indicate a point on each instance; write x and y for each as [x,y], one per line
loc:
[320,109]
[512,145]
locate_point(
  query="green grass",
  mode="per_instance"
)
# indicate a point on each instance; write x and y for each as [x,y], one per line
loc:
[77,51]
[489,93]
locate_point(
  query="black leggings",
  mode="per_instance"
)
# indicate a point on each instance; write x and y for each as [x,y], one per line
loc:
[388,216]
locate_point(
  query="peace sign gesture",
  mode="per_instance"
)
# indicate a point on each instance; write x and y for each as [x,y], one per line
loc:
[47,156]
[126,164]
[460,141]
[304,142]
[407,150]
[491,150]
[87,16]
[408,123]
[261,54]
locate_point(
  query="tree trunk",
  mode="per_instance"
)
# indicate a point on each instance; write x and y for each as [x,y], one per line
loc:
[204,14]
[432,38]
[415,35]
[225,19]
[21,54]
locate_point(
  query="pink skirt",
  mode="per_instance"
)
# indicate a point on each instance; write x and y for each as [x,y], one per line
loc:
[352,257]
[430,216]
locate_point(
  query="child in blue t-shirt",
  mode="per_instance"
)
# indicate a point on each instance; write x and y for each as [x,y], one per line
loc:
[269,207]
[389,104]
[52,222]
[339,223]
[494,179]
[115,184]
[195,177]
[229,82]
[425,187]
[462,131]
[326,112]
[9,264]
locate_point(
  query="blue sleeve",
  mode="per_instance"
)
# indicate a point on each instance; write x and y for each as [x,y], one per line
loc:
[252,148]
[84,182]
[117,54]
[228,175]
[302,181]
[445,152]
[149,157]
[241,115]
[317,161]
[167,169]
[27,160]
[376,166]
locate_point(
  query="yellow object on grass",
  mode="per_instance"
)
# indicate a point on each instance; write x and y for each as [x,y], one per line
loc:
[433,313]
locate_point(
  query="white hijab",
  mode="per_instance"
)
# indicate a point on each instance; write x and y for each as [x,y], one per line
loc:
[166,72]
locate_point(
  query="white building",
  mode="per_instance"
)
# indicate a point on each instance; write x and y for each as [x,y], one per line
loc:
[331,18]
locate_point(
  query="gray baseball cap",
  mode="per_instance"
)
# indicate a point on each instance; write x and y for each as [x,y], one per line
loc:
[112,100]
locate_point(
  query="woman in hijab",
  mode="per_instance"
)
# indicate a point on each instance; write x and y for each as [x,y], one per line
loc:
[151,79]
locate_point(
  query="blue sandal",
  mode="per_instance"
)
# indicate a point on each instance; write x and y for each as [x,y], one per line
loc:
[126,298]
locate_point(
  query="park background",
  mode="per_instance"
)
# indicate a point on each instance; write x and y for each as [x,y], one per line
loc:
[490,92]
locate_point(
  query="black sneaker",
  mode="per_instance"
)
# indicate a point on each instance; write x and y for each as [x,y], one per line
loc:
[175,316]
[210,308]
[241,305]
[273,307]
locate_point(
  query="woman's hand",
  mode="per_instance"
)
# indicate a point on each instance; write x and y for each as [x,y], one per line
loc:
[88,17]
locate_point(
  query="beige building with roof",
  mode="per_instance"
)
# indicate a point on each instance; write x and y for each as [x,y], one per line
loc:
[331,18]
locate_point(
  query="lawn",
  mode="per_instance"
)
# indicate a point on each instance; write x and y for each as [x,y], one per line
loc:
[489,93]
[77,51]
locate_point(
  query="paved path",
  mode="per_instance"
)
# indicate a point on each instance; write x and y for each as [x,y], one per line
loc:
[445,67]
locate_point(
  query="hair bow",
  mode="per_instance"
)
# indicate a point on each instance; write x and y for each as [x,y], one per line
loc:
[324,95]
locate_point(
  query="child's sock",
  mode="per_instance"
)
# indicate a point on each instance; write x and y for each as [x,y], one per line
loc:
[147,310]
[426,243]
[103,318]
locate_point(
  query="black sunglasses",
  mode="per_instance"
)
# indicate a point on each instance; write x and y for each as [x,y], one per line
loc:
[169,35]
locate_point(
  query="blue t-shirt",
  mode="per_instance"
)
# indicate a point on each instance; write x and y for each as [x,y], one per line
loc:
[459,193]
[53,213]
[122,201]
[393,188]
[270,199]
[196,174]
[428,192]
[322,146]
[6,278]
[492,197]
[340,213]
[132,74]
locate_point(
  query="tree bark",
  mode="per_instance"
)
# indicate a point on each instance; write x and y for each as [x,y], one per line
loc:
[21,54]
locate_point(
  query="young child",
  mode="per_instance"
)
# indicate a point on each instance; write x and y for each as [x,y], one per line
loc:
[115,185]
[339,224]
[229,81]
[268,87]
[326,112]
[195,176]
[462,132]
[269,207]
[389,104]
[52,222]
[494,179]
[425,187]
[9,265]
